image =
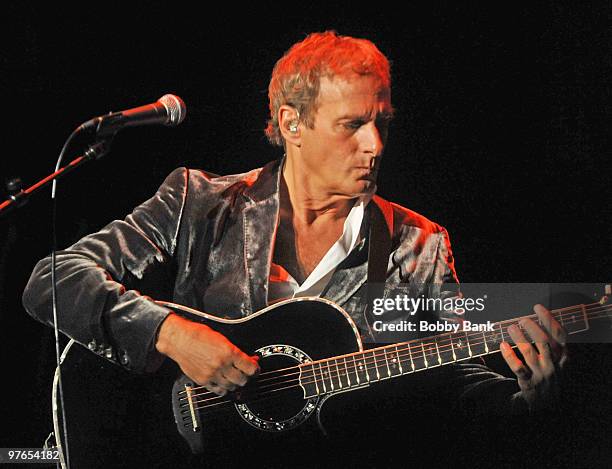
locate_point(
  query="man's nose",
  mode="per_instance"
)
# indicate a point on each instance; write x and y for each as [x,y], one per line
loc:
[373,142]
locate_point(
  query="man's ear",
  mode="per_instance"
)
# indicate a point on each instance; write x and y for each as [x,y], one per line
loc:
[289,124]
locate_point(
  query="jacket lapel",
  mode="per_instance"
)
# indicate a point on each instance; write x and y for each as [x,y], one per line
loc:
[260,221]
[353,272]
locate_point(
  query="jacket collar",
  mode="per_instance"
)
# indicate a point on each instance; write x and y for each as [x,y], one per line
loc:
[267,183]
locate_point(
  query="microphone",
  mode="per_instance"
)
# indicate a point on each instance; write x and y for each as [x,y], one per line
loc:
[169,110]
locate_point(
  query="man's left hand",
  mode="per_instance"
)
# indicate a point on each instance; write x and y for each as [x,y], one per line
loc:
[538,373]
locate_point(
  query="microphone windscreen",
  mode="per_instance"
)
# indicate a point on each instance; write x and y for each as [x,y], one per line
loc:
[176,109]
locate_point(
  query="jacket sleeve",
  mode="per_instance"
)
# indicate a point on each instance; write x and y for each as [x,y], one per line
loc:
[476,388]
[94,307]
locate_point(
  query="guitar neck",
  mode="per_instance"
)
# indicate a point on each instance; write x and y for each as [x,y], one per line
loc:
[352,371]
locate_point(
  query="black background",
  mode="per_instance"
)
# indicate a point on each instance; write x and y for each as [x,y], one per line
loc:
[501,136]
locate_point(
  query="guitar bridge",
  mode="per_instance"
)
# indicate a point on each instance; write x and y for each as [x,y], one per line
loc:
[194,419]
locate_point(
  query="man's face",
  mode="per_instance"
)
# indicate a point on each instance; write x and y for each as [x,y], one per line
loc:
[350,129]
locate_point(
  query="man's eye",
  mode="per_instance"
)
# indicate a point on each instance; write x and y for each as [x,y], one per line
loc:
[353,124]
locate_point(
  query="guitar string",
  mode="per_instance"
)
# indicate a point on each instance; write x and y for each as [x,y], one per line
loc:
[266,394]
[373,354]
[369,360]
[224,400]
[578,309]
[342,374]
[443,343]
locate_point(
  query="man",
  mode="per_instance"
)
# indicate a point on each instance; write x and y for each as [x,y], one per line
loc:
[298,227]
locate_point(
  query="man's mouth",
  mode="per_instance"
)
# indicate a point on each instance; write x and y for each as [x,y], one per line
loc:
[367,173]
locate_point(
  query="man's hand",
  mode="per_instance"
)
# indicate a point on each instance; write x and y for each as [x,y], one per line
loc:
[204,355]
[538,373]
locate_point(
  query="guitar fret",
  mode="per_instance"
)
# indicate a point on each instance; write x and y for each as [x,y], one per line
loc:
[376,366]
[445,352]
[365,365]
[477,346]
[356,371]
[493,340]
[348,376]
[338,374]
[387,362]
[362,369]
[418,357]
[467,340]
[460,349]
[576,321]
[399,361]
[323,378]
[430,353]
[410,355]
[342,376]
[308,380]
[394,364]
[316,379]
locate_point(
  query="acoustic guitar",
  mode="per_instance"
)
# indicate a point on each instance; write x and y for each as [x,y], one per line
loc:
[309,349]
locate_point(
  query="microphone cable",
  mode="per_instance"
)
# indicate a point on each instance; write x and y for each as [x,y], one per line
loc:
[65,451]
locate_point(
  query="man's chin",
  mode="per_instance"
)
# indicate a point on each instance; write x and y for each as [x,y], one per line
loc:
[366,187]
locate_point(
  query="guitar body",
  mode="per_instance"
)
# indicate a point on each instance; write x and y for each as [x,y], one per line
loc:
[115,417]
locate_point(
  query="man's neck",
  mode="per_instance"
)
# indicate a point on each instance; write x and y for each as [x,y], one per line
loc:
[305,204]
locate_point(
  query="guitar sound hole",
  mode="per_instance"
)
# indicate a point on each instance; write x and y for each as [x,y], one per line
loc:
[275,395]
[274,402]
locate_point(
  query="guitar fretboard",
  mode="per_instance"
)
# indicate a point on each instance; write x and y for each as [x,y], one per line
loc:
[351,371]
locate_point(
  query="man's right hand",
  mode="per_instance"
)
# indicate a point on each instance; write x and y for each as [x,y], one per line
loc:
[205,355]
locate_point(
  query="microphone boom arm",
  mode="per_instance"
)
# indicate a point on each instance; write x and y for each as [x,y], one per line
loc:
[94,152]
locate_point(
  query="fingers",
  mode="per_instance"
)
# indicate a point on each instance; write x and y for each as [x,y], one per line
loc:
[556,336]
[545,354]
[225,381]
[551,325]
[540,338]
[247,365]
[524,345]
[516,365]
[234,376]
[210,359]
[229,377]
[537,372]
[214,387]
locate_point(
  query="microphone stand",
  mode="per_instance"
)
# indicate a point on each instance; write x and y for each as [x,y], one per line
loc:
[18,199]
[21,197]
